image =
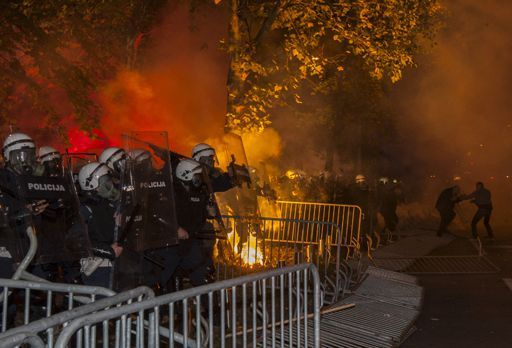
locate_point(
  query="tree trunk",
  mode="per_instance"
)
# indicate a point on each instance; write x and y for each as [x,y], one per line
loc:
[234,42]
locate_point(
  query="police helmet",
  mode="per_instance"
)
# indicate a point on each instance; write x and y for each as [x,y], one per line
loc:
[139,155]
[90,174]
[202,150]
[16,141]
[187,168]
[47,153]
[112,157]
[360,178]
[383,180]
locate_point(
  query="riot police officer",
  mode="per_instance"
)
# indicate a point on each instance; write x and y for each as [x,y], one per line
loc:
[114,158]
[51,160]
[20,159]
[362,196]
[205,154]
[191,212]
[99,212]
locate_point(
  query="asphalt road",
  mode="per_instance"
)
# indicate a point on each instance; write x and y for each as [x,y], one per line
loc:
[463,311]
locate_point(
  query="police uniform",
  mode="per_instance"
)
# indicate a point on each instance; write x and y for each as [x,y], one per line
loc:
[387,207]
[191,214]
[98,213]
[361,196]
[16,216]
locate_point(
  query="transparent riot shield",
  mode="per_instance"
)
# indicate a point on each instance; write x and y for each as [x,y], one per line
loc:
[242,199]
[72,162]
[147,208]
[50,206]
[12,244]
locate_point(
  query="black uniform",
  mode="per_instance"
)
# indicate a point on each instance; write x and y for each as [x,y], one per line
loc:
[445,206]
[191,212]
[387,208]
[17,218]
[98,214]
[361,196]
[7,238]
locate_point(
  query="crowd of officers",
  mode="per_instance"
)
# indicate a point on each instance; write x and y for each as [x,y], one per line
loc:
[195,180]
[99,191]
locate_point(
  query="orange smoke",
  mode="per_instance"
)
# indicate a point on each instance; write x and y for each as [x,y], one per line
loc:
[180,88]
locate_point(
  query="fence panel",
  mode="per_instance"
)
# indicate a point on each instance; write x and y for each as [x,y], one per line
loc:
[31,306]
[277,307]
[347,217]
[261,243]
[27,339]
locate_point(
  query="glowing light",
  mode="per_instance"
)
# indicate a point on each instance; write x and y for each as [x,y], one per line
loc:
[251,251]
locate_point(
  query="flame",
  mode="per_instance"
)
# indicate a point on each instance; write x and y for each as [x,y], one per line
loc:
[251,252]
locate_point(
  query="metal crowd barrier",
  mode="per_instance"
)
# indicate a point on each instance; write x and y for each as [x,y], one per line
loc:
[277,307]
[27,339]
[55,297]
[261,243]
[347,217]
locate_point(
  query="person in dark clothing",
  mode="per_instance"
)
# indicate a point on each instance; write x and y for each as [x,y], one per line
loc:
[362,196]
[445,205]
[481,197]
[191,212]
[389,197]
[20,157]
[51,160]
[218,181]
[98,209]
[205,154]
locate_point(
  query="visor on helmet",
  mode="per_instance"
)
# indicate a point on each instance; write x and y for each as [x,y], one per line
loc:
[23,160]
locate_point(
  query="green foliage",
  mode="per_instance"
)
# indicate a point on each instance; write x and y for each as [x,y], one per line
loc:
[276,47]
[54,53]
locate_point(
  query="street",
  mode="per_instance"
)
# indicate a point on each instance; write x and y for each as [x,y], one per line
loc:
[472,310]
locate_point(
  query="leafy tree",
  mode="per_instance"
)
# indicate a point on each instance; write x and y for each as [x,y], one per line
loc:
[53,54]
[277,46]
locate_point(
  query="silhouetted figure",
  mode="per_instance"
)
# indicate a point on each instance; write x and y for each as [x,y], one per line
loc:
[445,206]
[482,198]
[389,199]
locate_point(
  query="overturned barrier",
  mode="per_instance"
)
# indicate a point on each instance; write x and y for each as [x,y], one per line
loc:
[46,293]
[256,309]
[61,304]
[347,217]
[261,243]
[27,339]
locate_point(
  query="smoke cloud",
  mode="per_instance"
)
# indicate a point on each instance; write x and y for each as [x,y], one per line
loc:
[180,85]
[454,109]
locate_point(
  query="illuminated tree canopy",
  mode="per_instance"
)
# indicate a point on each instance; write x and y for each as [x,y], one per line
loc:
[278,46]
[54,54]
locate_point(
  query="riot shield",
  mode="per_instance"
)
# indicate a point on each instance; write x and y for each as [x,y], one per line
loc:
[72,162]
[147,207]
[242,199]
[50,205]
[12,244]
